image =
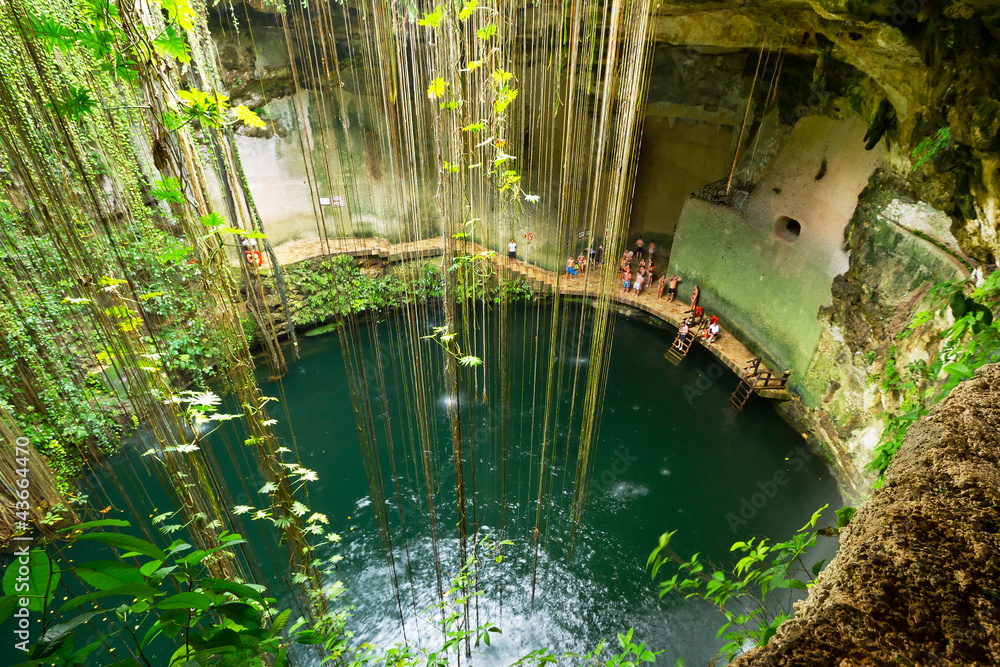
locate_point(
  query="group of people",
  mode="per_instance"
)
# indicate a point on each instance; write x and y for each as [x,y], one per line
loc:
[709,332]
[586,259]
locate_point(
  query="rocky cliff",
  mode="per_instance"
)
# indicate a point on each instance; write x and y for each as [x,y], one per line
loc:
[917,575]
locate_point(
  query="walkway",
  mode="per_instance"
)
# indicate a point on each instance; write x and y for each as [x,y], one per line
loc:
[727,349]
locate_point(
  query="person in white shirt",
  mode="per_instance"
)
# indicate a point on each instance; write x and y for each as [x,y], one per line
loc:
[512,249]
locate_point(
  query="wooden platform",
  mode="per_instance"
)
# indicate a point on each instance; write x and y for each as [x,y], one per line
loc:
[727,349]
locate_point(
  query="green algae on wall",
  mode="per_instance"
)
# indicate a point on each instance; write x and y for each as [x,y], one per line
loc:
[765,294]
[764,281]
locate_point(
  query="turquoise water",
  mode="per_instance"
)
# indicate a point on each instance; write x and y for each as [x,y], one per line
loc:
[671,455]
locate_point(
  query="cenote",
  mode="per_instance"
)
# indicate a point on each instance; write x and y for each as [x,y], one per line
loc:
[671,454]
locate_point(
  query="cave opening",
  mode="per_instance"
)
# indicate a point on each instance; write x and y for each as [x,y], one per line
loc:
[788,229]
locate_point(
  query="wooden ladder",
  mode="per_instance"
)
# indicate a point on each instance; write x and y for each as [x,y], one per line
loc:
[746,386]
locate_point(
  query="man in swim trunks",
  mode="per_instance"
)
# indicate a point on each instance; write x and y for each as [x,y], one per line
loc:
[626,281]
[672,292]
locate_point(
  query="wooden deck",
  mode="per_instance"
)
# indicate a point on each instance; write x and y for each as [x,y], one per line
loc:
[726,348]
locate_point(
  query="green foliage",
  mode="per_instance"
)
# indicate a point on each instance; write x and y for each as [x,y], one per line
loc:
[930,147]
[75,103]
[159,597]
[748,595]
[202,105]
[973,340]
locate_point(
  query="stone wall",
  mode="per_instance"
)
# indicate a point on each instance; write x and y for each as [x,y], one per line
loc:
[765,282]
[916,578]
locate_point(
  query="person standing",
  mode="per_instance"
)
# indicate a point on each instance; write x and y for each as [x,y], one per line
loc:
[626,281]
[640,248]
[651,250]
[512,249]
[600,255]
[683,335]
[694,298]
[570,270]
[660,284]
[672,292]
[639,279]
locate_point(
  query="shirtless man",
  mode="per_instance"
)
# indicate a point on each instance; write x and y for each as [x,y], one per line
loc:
[694,298]
[660,284]
[639,279]
[672,292]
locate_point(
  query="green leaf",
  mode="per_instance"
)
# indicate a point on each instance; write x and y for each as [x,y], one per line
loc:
[8,604]
[187,600]
[470,6]
[309,637]
[127,542]
[213,219]
[96,524]
[39,585]
[180,12]
[108,574]
[961,370]
[49,642]
[80,656]
[844,515]
[240,590]
[249,118]
[75,102]
[140,591]
[245,614]
[814,518]
[173,44]
[436,88]
[504,97]
[432,19]
[280,621]
[168,189]
[486,31]
[51,33]
[99,41]
[210,107]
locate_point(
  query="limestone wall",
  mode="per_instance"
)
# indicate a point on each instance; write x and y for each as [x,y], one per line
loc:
[915,579]
[763,281]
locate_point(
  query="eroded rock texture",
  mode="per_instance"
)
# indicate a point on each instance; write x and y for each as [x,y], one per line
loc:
[917,576]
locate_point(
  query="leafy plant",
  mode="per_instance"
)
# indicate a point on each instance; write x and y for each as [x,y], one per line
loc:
[148,598]
[745,595]
[973,340]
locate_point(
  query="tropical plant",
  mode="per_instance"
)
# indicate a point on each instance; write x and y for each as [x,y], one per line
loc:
[746,595]
[971,341]
[145,603]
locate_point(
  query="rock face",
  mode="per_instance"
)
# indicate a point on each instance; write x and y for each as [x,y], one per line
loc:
[917,578]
